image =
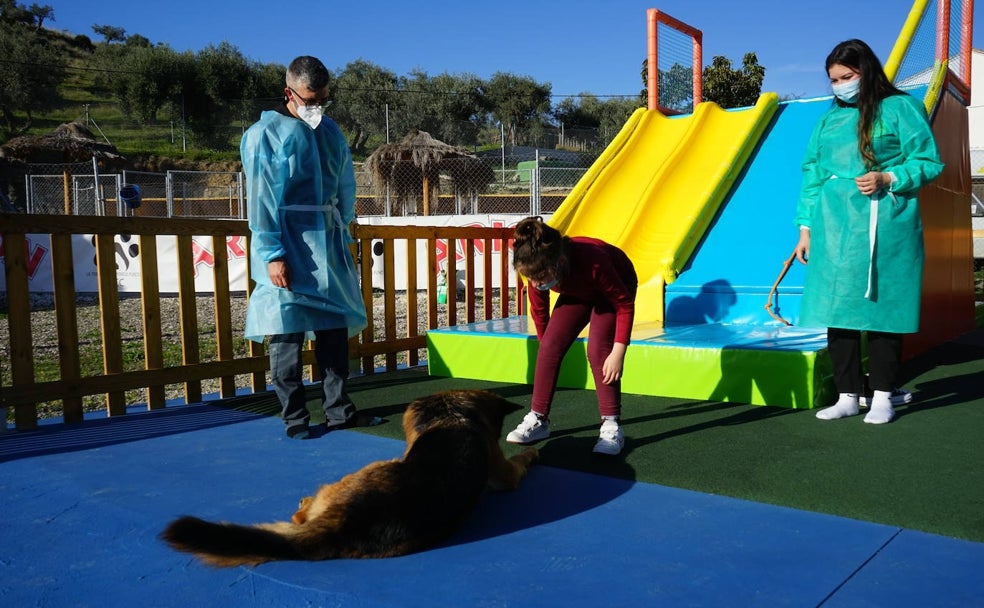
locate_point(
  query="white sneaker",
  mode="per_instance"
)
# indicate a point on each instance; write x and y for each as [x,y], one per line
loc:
[610,439]
[532,428]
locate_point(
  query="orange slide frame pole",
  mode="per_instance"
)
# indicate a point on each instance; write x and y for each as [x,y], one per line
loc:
[966,44]
[653,18]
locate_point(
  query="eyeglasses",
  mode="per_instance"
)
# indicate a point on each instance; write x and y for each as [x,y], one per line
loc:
[308,102]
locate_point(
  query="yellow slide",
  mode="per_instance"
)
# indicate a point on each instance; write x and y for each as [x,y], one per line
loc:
[656,188]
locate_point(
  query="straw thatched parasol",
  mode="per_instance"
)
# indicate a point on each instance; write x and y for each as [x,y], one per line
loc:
[412,169]
[69,143]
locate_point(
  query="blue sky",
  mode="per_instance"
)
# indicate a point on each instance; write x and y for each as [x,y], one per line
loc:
[577,46]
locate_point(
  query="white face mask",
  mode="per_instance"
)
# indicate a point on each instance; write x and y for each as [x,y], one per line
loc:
[311,115]
[847,91]
[548,285]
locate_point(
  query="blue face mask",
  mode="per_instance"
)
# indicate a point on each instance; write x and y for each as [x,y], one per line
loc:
[548,285]
[847,91]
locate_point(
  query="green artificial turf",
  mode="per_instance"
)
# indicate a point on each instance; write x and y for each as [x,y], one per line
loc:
[923,471]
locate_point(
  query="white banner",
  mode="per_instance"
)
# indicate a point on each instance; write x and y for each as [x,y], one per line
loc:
[127,249]
[128,257]
[400,249]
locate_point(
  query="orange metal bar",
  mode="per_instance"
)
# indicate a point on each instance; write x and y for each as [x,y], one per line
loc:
[653,18]
[652,58]
[698,38]
[943,30]
[966,43]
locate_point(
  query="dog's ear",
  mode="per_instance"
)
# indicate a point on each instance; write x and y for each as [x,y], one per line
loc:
[301,515]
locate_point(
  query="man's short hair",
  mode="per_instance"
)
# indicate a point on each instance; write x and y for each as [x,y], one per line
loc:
[308,71]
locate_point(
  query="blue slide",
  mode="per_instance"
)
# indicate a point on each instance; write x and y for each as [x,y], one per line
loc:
[728,278]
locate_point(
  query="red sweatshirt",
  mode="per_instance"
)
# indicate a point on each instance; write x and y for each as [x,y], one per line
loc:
[599,272]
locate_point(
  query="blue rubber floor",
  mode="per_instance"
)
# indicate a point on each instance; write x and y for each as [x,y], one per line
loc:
[82,508]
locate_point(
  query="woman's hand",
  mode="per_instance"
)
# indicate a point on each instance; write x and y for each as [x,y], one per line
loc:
[611,370]
[871,182]
[803,246]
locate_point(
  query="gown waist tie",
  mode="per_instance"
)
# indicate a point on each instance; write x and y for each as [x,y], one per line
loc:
[336,215]
[872,233]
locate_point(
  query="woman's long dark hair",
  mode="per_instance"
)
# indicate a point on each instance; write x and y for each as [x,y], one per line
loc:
[539,250]
[875,87]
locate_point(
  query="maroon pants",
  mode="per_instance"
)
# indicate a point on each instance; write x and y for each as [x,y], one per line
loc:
[568,318]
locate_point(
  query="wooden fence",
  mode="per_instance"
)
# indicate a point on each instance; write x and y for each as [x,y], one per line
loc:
[24,391]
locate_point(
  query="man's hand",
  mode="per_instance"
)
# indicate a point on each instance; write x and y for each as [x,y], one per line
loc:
[279,275]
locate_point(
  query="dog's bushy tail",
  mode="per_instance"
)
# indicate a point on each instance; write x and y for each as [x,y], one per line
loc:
[226,545]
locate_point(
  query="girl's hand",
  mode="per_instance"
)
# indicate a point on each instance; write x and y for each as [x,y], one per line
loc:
[611,370]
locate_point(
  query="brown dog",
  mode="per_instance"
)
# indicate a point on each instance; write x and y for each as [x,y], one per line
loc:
[388,508]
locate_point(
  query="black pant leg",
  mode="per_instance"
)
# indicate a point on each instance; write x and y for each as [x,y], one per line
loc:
[884,360]
[332,354]
[844,347]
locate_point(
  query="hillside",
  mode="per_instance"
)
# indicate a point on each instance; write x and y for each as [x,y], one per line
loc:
[152,147]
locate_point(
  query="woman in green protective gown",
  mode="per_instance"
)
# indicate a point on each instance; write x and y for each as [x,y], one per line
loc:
[860,228]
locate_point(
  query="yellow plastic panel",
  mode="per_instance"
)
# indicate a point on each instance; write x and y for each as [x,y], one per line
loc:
[657,187]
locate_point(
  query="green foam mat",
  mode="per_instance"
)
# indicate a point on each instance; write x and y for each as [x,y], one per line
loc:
[759,366]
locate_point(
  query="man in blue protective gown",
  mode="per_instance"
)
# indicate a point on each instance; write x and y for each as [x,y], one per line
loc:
[300,188]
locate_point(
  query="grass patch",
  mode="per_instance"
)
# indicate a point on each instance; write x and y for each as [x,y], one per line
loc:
[47,368]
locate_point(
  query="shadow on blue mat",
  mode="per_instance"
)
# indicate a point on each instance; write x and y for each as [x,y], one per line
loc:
[55,438]
[546,495]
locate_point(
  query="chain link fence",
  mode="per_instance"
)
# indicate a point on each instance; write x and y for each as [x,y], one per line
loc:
[80,189]
[72,193]
[205,194]
[520,184]
[527,170]
[524,182]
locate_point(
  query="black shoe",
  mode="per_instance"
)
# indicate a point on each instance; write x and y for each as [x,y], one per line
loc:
[298,431]
[899,396]
[357,420]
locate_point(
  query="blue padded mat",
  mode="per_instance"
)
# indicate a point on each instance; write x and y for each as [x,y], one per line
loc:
[83,508]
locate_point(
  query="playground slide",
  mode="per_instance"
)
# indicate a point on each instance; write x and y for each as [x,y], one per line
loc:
[657,187]
[729,276]
[754,232]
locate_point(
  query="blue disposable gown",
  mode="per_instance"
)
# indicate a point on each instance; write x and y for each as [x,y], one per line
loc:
[846,285]
[300,188]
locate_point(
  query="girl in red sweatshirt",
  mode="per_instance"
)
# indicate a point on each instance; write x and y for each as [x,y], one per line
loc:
[596,283]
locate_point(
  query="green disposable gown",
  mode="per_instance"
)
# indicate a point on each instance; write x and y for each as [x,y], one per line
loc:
[847,286]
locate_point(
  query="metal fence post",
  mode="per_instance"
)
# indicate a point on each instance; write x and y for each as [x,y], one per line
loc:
[29,203]
[120,207]
[169,193]
[242,199]
[99,210]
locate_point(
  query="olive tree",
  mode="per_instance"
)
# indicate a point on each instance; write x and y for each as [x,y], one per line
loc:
[518,102]
[733,88]
[360,95]
[28,83]
[448,106]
